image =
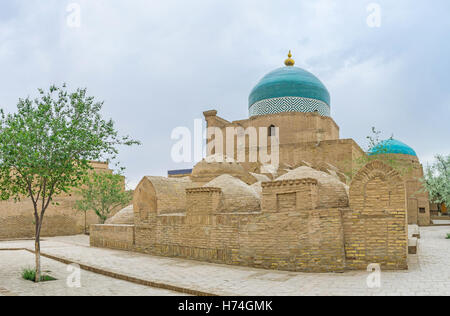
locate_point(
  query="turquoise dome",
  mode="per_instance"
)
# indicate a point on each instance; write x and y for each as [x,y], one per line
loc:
[289,89]
[392,146]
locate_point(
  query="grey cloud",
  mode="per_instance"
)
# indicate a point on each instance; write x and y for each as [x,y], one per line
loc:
[159,64]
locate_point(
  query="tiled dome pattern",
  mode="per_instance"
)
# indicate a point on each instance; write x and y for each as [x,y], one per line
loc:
[289,104]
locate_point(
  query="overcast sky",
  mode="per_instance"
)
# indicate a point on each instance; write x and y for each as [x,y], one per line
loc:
[160,64]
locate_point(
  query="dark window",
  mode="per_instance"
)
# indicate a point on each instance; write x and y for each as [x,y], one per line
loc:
[272,130]
[422,210]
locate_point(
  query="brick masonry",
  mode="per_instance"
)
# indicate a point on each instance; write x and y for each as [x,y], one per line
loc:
[303,137]
[314,138]
[291,232]
[17,219]
[375,225]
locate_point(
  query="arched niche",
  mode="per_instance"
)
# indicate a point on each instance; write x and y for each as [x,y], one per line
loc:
[377,187]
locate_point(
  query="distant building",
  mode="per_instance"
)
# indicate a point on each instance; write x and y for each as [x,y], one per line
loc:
[179,173]
[17,220]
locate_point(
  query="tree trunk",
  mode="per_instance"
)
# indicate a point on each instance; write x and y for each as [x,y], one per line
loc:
[37,249]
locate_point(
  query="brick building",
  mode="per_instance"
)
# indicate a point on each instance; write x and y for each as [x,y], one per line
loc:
[317,210]
[61,219]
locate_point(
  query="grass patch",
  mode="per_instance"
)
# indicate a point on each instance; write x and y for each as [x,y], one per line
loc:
[448,236]
[30,275]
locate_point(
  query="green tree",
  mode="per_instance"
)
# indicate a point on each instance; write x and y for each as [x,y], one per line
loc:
[47,145]
[102,193]
[437,180]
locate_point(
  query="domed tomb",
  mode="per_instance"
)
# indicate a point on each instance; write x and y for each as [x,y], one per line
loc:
[237,195]
[159,195]
[289,89]
[332,192]
[123,217]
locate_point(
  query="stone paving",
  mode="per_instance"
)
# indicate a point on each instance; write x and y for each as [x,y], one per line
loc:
[441,222]
[428,274]
[11,283]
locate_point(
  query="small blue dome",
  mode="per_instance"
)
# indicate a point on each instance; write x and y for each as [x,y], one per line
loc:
[392,146]
[289,89]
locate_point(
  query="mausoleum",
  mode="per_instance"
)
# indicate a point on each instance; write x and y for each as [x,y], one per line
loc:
[317,211]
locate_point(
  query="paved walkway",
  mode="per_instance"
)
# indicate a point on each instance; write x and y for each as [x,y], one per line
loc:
[11,283]
[429,272]
[441,222]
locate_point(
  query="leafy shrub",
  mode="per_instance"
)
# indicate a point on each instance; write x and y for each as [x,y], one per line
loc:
[30,275]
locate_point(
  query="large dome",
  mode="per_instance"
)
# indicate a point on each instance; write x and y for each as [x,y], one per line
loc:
[392,146]
[289,89]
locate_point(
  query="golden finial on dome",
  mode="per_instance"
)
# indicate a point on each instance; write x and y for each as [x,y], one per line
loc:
[289,62]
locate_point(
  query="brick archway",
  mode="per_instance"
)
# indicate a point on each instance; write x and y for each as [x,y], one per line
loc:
[376,225]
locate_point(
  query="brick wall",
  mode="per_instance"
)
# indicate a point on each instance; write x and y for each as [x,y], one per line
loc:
[293,231]
[294,127]
[418,204]
[375,225]
[302,136]
[288,234]
[17,219]
[112,236]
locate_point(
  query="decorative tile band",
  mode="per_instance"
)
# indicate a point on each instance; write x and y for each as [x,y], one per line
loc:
[289,182]
[203,189]
[289,104]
